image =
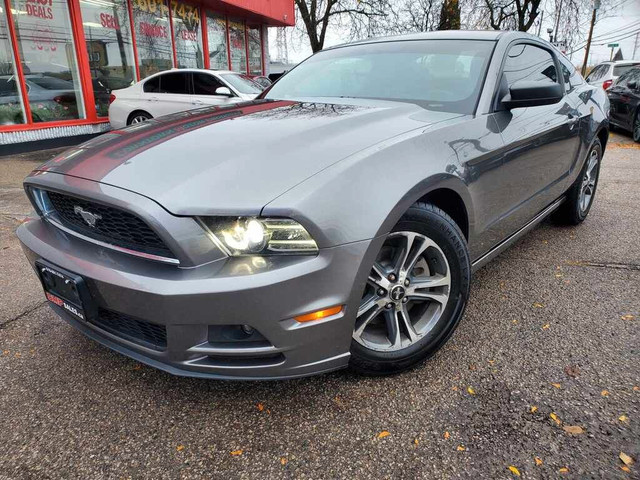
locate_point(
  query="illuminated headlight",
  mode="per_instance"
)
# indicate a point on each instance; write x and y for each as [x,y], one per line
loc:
[259,236]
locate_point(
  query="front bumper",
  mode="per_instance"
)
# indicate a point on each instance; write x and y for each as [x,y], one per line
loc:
[197,307]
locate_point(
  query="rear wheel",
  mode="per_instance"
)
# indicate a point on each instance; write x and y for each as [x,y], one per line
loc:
[581,194]
[138,117]
[415,294]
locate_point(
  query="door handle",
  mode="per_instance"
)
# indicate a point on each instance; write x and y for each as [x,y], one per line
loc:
[197,102]
[573,119]
[153,99]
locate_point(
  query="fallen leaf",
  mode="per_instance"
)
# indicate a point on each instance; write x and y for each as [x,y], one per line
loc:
[545,326]
[563,470]
[461,448]
[472,367]
[514,470]
[383,434]
[17,355]
[260,407]
[491,362]
[623,418]
[624,468]
[454,388]
[628,317]
[235,453]
[534,409]
[604,393]
[416,441]
[180,448]
[137,367]
[573,429]
[559,275]
[283,461]
[557,385]
[5,352]
[538,461]
[538,305]
[471,391]
[514,322]
[555,418]
[446,435]
[572,371]
[626,459]
[636,389]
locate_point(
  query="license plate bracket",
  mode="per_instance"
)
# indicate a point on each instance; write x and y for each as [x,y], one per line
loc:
[66,290]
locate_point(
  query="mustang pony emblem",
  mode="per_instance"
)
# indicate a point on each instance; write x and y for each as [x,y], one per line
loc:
[90,218]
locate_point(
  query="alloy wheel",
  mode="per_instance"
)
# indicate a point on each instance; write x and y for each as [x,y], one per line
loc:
[406,294]
[588,187]
[636,128]
[139,119]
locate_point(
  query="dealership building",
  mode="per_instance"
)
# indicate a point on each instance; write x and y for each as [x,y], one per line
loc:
[60,59]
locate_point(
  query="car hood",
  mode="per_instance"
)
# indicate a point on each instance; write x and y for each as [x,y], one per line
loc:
[236,159]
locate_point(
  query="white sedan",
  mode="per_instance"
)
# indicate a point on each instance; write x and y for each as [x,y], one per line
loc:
[178,90]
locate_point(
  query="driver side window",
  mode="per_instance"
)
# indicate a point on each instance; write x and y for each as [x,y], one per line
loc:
[529,63]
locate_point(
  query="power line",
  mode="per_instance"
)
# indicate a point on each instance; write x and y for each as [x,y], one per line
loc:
[611,37]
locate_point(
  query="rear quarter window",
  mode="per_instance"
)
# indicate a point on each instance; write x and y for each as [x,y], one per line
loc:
[152,85]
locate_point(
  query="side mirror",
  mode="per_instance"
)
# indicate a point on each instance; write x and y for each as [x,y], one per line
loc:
[224,91]
[632,85]
[532,94]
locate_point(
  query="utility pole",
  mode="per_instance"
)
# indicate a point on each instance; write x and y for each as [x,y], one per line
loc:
[596,5]
[558,21]
[540,24]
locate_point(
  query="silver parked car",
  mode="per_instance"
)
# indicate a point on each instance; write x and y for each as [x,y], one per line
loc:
[334,221]
[176,91]
[605,74]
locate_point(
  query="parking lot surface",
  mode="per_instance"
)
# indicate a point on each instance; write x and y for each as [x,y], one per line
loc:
[541,379]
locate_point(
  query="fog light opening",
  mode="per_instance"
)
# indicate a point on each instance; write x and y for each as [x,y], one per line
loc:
[319,314]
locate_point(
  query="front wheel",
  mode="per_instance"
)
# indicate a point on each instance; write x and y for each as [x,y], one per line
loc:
[415,294]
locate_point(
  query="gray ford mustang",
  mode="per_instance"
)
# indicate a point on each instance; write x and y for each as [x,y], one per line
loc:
[334,221]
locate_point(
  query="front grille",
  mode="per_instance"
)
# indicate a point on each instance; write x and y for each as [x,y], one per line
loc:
[138,331]
[115,226]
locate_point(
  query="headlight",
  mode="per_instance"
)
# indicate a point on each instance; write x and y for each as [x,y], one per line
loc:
[259,236]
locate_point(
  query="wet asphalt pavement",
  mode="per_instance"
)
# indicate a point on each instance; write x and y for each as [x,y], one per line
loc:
[549,340]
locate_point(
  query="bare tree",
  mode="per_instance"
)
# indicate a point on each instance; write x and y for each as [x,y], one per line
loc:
[512,14]
[318,15]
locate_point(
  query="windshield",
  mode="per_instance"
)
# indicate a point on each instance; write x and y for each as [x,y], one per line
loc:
[242,83]
[444,75]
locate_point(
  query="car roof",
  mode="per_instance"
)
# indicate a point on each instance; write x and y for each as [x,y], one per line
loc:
[621,62]
[491,35]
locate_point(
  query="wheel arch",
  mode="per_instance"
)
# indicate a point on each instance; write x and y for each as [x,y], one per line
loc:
[603,135]
[447,192]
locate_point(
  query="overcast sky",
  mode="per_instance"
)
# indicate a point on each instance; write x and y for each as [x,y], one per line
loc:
[623,21]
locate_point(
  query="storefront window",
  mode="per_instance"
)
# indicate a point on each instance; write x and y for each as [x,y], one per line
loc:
[153,36]
[238,46]
[217,39]
[48,58]
[255,50]
[187,34]
[11,109]
[108,38]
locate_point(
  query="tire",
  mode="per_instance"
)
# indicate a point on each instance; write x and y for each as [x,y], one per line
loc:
[138,117]
[432,312]
[636,127]
[574,209]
